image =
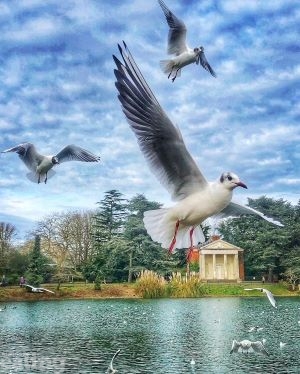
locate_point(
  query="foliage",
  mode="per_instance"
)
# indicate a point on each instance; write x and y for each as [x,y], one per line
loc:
[185,286]
[7,234]
[268,248]
[38,270]
[150,285]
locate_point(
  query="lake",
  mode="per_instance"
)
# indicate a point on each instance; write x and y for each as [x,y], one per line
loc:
[155,336]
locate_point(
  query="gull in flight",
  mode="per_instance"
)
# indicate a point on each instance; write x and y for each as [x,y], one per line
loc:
[40,166]
[267,292]
[37,289]
[184,55]
[164,149]
[255,328]
[111,369]
[246,346]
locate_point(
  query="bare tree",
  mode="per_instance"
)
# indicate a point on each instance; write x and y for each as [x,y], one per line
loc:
[7,234]
[66,238]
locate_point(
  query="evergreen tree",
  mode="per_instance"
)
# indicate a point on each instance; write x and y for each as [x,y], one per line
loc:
[109,220]
[267,247]
[37,268]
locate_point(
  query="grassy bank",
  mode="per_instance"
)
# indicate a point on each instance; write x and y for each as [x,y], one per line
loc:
[174,289]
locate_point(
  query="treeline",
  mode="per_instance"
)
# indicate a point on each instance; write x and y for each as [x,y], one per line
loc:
[111,244]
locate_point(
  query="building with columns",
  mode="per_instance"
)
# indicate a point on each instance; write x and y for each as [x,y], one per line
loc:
[219,261]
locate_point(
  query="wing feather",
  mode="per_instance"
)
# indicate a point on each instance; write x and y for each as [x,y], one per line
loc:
[159,140]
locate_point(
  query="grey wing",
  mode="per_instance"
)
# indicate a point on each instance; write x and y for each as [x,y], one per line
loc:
[259,347]
[159,140]
[45,289]
[205,64]
[235,346]
[27,154]
[237,210]
[112,360]
[270,297]
[177,32]
[74,153]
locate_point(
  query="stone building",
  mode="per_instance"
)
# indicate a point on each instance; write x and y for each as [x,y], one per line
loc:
[219,261]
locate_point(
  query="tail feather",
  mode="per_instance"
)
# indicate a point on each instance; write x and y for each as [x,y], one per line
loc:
[33,177]
[161,229]
[168,66]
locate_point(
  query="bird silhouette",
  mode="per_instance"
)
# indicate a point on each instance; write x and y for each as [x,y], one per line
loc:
[164,149]
[40,165]
[184,55]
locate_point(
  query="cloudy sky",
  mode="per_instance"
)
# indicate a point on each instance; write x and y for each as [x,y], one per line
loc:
[57,88]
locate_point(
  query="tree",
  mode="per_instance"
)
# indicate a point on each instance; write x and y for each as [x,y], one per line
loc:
[109,220]
[37,268]
[266,245]
[7,234]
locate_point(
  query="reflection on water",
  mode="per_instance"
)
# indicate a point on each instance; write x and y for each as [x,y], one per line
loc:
[155,336]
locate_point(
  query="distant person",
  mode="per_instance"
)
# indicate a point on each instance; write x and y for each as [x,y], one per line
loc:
[22,281]
[263,279]
[3,281]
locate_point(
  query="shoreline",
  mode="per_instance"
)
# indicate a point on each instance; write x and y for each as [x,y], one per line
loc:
[81,291]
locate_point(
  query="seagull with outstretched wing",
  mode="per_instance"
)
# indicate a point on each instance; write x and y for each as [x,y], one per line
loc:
[184,55]
[40,166]
[267,292]
[111,369]
[37,289]
[246,346]
[168,158]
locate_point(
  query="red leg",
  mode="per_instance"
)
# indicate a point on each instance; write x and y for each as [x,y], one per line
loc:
[173,242]
[188,257]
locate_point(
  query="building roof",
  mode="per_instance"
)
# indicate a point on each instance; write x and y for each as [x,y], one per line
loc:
[219,244]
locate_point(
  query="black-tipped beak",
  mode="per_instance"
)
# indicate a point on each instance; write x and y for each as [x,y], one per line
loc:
[241,184]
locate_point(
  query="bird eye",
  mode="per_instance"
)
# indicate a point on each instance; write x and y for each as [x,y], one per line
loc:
[229,178]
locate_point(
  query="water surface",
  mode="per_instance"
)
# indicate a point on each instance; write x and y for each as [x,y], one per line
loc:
[155,336]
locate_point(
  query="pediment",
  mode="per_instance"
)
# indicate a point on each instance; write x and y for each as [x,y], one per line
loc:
[221,244]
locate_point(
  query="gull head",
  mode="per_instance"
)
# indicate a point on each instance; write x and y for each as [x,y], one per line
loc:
[197,52]
[231,181]
[54,160]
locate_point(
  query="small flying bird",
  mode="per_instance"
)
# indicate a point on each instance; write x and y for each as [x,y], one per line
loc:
[281,345]
[111,369]
[2,309]
[164,149]
[40,165]
[267,292]
[177,46]
[37,289]
[246,346]
[255,329]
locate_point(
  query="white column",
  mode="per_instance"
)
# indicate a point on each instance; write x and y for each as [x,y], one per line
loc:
[214,266]
[236,266]
[202,266]
[225,267]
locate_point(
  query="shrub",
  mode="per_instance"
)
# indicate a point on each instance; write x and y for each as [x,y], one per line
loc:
[150,285]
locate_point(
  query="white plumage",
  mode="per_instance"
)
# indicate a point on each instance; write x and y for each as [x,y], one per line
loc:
[40,166]
[164,149]
[184,55]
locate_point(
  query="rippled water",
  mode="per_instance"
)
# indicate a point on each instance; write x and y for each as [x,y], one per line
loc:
[155,336]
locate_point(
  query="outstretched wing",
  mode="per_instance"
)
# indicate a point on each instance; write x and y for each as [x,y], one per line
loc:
[45,289]
[111,368]
[259,347]
[177,32]
[27,154]
[237,210]
[235,346]
[74,153]
[205,64]
[159,140]
[270,297]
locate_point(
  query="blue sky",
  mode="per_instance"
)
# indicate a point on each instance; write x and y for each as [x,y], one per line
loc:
[57,88]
